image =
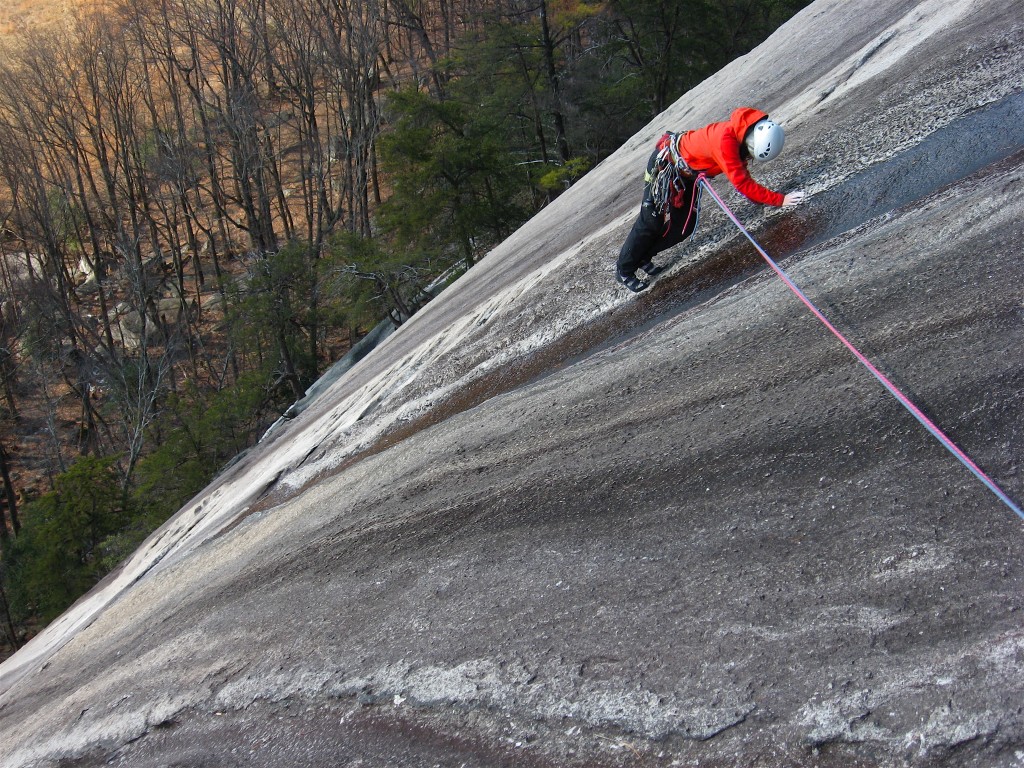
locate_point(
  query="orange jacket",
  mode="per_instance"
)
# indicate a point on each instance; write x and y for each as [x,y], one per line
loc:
[715,149]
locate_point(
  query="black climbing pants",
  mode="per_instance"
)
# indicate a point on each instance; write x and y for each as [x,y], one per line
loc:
[651,234]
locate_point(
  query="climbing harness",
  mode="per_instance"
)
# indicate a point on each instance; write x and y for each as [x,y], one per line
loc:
[903,399]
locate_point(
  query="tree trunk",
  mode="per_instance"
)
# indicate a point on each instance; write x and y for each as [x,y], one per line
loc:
[12,502]
[561,139]
[9,629]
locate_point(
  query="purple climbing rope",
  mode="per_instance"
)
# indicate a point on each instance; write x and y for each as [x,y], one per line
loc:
[903,399]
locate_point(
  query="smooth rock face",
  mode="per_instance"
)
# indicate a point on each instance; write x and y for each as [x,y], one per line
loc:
[550,523]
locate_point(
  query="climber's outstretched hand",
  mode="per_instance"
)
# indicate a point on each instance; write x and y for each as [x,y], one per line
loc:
[794,198]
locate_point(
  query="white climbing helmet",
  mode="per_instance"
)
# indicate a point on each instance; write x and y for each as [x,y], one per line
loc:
[764,141]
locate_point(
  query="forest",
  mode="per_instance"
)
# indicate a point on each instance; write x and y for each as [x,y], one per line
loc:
[204,203]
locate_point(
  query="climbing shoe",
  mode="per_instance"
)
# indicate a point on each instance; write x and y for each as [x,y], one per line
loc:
[632,282]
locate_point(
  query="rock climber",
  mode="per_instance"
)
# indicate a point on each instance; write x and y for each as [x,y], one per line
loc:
[671,202]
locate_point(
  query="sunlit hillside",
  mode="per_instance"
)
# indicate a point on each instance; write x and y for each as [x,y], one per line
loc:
[19,15]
